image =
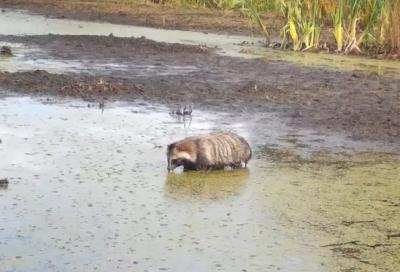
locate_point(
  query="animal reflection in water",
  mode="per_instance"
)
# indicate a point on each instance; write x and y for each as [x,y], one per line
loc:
[206,185]
[213,151]
[183,115]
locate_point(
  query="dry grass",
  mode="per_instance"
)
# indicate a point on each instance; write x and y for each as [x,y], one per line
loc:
[392,37]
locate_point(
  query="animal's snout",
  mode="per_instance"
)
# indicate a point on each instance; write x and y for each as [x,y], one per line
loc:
[170,167]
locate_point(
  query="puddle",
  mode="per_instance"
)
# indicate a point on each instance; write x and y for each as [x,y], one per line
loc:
[88,190]
[27,58]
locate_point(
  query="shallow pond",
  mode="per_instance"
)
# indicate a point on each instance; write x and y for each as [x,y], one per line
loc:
[89,191]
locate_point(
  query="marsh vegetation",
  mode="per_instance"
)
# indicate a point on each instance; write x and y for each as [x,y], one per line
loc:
[353,24]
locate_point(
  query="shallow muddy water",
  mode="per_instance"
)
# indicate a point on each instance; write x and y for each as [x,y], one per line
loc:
[89,191]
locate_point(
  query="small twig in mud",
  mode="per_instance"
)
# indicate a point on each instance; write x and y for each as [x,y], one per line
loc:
[3,183]
[183,114]
[101,106]
[391,203]
[393,235]
[363,261]
[378,245]
[351,253]
[185,111]
[357,243]
[349,223]
[342,244]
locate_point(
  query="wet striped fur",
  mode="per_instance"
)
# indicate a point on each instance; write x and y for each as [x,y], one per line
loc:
[209,151]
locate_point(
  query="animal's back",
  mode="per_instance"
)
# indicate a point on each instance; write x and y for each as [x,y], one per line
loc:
[224,149]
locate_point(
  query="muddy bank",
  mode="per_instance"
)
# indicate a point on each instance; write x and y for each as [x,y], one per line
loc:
[43,83]
[89,46]
[177,18]
[198,19]
[364,105]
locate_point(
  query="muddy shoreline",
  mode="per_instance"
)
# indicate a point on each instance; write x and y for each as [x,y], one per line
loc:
[151,15]
[231,22]
[361,104]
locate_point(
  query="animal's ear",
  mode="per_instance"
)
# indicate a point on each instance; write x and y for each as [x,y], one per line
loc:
[170,146]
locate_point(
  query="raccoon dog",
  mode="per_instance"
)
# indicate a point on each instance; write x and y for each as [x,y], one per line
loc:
[209,151]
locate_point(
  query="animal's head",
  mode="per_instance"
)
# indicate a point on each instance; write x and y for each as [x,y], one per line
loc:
[177,156]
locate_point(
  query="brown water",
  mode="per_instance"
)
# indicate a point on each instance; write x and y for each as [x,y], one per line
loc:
[89,191]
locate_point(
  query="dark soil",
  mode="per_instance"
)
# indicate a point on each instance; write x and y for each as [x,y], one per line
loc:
[364,105]
[5,51]
[89,46]
[87,87]
[106,46]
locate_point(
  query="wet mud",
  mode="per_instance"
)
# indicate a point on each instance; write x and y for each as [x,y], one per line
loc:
[6,51]
[316,97]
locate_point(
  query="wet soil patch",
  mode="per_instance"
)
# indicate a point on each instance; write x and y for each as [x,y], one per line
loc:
[71,46]
[364,105]
[5,51]
[87,87]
